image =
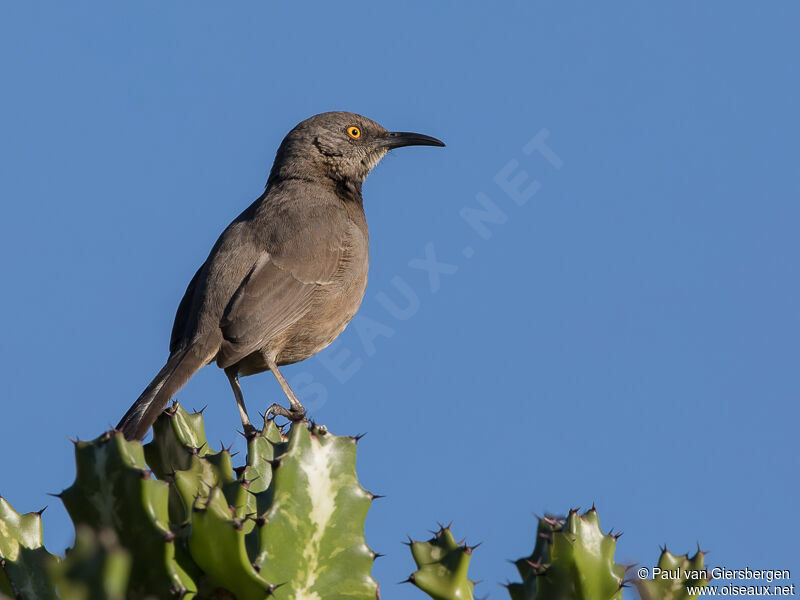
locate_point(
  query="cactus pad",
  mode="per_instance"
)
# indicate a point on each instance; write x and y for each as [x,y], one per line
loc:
[683,571]
[442,565]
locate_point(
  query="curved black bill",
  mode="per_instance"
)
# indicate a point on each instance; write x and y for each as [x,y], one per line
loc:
[398,139]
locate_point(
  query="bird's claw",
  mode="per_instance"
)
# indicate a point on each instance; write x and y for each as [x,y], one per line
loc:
[294,414]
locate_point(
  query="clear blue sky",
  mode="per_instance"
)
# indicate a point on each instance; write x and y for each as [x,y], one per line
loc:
[627,336]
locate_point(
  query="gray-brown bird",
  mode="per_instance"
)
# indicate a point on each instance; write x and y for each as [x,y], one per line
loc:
[287,275]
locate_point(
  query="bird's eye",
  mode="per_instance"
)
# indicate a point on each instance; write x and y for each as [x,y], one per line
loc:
[354,132]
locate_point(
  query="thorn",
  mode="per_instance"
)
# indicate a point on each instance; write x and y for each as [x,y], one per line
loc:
[357,437]
[242,433]
[593,509]
[275,586]
[573,511]
[39,512]
[260,521]
[409,580]
[410,542]
[535,565]
[146,474]
[275,462]
[377,555]
[200,412]
[169,536]
[56,495]
[375,496]
[471,548]
[619,535]
[699,551]
[663,548]
[442,527]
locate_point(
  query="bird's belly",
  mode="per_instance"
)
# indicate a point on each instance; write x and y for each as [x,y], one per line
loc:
[323,323]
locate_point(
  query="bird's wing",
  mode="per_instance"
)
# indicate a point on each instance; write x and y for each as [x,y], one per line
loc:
[279,289]
[184,313]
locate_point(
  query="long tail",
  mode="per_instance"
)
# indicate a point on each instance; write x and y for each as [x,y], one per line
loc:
[180,367]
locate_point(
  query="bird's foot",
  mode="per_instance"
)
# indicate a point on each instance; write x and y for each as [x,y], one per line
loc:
[294,414]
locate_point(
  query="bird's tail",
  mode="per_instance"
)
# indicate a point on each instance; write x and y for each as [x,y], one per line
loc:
[180,367]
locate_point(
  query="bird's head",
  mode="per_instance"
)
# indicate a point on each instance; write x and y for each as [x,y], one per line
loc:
[341,146]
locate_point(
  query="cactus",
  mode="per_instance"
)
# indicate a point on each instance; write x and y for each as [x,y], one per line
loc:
[291,517]
[442,565]
[23,558]
[312,536]
[176,519]
[680,571]
[114,490]
[572,560]
[96,568]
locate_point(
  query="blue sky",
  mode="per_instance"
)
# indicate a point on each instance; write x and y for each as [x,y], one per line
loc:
[628,335]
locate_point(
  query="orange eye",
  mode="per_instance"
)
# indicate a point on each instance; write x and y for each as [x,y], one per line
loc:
[354,132]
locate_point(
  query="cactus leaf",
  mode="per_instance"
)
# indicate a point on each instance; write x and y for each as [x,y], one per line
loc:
[96,568]
[683,571]
[113,490]
[442,565]
[23,558]
[312,537]
[572,560]
[217,544]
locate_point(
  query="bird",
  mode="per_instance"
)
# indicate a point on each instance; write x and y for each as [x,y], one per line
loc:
[287,275]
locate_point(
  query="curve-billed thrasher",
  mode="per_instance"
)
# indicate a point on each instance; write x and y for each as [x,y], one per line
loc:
[285,278]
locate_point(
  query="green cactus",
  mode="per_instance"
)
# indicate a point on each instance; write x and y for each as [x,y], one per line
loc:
[114,490]
[96,568]
[572,560]
[217,544]
[442,565]
[312,536]
[675,573]
[288,523]
[23,558]
[291,517]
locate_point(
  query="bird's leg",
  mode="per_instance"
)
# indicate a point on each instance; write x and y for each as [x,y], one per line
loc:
[233,378]
[297,412]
